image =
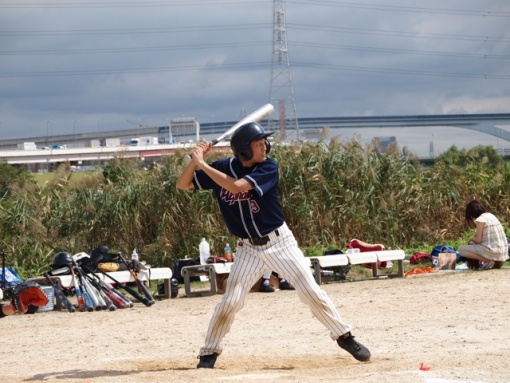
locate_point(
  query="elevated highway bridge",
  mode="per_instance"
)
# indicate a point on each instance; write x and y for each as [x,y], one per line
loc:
[80,151]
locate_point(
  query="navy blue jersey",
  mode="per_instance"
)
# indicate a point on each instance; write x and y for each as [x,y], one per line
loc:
[253,213]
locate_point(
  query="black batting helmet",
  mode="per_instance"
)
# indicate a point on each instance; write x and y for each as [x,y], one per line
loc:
[61,263]
[244,136]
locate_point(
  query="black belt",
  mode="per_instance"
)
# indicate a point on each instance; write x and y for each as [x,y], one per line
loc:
[261,241]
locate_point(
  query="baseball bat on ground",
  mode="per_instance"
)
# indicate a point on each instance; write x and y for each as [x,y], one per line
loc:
[139,283]
[89,303]
[129,290]
[93,294]
[255,116]
[79,294]
[118,299]
[107,301]
[97,300]
[65,301]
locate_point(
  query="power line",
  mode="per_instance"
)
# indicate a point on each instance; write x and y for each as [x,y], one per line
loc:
[127,4]
[124,31]
[253,65]
[405,71]
[133,49]
[306,27]
[180,3]
[87,72]
[380,32]
[166,48]
[403,51]
[399,8]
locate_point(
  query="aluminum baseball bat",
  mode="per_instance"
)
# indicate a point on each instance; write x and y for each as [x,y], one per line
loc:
[255,116]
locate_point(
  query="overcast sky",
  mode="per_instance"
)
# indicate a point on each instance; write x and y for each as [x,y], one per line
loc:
[81,66]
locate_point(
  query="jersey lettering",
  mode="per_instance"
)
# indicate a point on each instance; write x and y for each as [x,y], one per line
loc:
[254,206]
[232,198]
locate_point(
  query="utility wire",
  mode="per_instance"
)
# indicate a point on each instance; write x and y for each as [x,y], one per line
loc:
[167,48]
[129,31]
[251,65]
[127,4]
[399,8]
[208,28]
[325,3]
[380,32]
[163,48]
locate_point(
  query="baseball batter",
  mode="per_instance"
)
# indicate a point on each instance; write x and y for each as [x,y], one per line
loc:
[246,187]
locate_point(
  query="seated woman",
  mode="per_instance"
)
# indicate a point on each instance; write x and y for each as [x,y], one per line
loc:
[489,245]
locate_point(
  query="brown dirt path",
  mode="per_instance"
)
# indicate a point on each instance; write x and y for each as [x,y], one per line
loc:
[456,323]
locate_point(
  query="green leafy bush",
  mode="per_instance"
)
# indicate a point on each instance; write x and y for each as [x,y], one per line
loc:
[330,195]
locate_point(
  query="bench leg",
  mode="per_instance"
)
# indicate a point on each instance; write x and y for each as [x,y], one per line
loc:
[317,272]
[401,268]
[167,288]
[374,270]
[186,278]
[187,272]
[212,281]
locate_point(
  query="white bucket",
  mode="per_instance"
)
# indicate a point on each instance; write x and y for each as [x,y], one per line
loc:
[50,306]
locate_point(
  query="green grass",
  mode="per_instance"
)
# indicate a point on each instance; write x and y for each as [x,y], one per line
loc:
[42,179]
[330,194]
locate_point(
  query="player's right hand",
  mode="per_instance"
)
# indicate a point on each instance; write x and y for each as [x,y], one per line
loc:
[201,149]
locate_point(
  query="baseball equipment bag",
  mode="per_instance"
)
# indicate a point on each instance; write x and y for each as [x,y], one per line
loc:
[420,257]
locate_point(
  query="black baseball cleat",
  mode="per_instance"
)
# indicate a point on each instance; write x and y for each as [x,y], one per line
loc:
[285,285]
[207,361]
[356,349]
[266,287]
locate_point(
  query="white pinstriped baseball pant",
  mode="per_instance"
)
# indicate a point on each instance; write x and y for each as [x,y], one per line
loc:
[282,255]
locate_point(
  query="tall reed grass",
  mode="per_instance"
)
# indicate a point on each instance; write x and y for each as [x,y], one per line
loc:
[330,194]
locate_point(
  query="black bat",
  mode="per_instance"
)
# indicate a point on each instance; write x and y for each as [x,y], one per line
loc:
[133,293]
[139,283]
[66,302]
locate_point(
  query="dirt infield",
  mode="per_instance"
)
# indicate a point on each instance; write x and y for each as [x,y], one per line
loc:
[457,324]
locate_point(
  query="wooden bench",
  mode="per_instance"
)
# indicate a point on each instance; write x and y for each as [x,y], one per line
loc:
[391,255]
[211,270]
[325,262]
[320,265]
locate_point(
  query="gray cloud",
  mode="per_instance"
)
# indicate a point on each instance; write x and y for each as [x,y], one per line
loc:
[103,65]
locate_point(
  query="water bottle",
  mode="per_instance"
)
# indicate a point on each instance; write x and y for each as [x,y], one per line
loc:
[228,253]
[134,256]
[205,251]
